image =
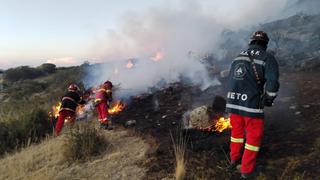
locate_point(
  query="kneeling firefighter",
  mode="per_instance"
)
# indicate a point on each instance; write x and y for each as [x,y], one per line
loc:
[253,84]
[70,102]
[102,100]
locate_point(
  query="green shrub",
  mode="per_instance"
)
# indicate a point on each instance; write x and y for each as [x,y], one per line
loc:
[22,73]
[32,127]
[47,68]
[82,142]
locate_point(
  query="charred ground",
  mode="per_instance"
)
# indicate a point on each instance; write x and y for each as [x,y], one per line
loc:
[291,133]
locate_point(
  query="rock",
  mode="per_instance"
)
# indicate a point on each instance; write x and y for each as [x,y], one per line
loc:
[199,117]
[130,123]
[306,106]
[292,107]
[297,113]
[164,116]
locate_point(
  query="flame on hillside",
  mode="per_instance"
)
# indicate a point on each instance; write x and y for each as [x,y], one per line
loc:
[158,56]
[130,64]
[116,107]
[222,124]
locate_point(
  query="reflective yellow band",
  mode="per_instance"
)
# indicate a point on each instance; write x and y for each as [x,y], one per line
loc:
[105,90]
[97,100]
[237,140]
[251,148]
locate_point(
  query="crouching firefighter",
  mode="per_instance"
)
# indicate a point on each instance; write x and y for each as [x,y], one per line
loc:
[70,101]
[102,100]
[252,84]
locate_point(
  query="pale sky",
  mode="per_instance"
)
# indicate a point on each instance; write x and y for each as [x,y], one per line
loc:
[65,32]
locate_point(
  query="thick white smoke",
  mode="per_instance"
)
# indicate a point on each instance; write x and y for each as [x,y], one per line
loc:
[177,35]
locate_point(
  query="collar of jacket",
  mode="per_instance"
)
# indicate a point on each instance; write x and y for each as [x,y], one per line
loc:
[255,46]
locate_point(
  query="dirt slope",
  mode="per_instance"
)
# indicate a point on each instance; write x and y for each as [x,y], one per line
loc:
[45,161]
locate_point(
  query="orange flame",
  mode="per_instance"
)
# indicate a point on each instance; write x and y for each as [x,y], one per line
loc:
[157,57]
[116,108]
[80,109]
[55,110]
[130,64]
[222,124]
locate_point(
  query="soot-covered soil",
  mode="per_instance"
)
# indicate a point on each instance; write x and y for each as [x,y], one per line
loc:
[289,145]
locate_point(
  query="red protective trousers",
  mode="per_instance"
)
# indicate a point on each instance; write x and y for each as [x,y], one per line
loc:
[63,115]
[250,129]
[102,109]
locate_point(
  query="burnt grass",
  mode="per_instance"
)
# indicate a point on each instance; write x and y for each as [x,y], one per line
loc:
[290,147]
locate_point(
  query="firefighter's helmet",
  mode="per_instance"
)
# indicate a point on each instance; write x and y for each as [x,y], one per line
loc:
[73,87]
[108,84]
[260,36]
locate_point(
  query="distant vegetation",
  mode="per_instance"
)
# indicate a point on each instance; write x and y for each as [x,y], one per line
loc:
[26,98]
[26,72]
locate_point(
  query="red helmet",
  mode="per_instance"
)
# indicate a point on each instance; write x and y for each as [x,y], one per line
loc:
[260,35]
[73,87]
[108,84]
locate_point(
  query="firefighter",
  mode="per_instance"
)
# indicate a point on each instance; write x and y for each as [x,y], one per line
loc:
[102,100]
[70,101]
[252,85]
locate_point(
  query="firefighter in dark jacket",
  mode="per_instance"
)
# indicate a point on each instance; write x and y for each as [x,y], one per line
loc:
[70,101]
[102,100]
[252,84]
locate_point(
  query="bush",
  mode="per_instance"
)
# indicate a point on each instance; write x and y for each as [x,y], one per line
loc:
[22,73]
[82,142]
[47,68]
[32,127]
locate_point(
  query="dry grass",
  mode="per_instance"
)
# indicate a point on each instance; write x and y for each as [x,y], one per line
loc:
[179,146]
[46,161]
[82,142]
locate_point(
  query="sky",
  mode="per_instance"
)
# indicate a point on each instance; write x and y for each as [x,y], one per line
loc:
[69,32]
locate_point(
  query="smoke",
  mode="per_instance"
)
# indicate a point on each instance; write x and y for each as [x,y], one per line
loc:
[166,43]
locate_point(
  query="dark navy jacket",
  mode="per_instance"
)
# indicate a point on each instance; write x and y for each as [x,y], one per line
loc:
[245,95]
[70,101]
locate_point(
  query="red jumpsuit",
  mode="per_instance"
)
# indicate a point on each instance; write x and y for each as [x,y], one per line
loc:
[250,131]
[103,97]
[69,105]
[64,115]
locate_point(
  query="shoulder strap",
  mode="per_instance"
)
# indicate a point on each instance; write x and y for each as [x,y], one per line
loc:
[254,67]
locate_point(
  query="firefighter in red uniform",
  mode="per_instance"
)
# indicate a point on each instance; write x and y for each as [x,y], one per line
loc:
[69,105]
[252,84]
[102,100]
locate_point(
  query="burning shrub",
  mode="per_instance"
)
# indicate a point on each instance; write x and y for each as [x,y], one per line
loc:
[82,142]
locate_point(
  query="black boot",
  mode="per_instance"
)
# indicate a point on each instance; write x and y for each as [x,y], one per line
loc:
[104,126]
[233,166]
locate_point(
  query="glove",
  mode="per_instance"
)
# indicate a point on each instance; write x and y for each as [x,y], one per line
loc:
[268,102]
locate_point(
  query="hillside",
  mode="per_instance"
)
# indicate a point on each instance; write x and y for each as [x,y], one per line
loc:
[145,149]
[122,160]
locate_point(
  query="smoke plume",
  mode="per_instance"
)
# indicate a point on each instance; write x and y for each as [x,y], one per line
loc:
[163,44]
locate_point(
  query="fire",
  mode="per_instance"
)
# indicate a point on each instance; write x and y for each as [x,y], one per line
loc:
[157,57]
[116,108]
[130,64]
[222,124]
[55,110]
[80,109]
